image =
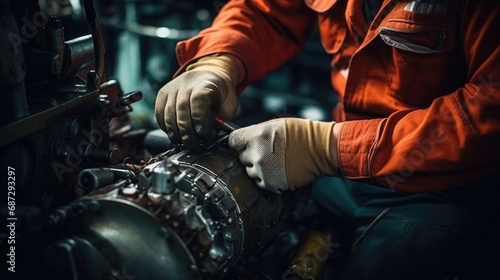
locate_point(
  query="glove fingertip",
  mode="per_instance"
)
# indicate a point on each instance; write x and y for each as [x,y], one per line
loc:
[236,141]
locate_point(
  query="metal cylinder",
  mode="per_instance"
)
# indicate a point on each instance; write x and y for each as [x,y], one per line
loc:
[163,178]
[94,178]
[220,218]
[54,32]
[79,54]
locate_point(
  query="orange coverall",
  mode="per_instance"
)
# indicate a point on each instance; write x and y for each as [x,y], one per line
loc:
[419,87]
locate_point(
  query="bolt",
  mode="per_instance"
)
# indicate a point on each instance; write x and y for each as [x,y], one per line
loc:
[55,66]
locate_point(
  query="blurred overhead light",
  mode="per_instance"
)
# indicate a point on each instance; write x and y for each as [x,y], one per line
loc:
[163,32]
[313,113]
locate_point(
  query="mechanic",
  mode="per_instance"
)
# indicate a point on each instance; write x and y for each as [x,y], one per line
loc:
[414,144]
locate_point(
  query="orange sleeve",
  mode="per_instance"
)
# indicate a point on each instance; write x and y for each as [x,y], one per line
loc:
[454,141]
[262,34]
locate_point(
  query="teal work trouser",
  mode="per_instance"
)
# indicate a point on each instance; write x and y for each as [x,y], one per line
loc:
[443,235]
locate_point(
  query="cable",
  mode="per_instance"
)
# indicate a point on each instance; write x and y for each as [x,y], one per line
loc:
[99,50]
[369,228]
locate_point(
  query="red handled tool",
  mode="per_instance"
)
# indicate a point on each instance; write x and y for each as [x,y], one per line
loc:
[225,126]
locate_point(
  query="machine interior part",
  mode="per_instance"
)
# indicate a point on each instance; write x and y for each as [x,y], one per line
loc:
[199,207]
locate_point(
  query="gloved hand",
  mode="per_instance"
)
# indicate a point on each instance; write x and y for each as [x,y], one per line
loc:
[288,153]
[185,107]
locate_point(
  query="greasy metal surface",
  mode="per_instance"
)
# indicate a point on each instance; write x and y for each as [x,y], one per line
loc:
[122,236]
[310,256]
[47,118]
[249,215]
[220,218]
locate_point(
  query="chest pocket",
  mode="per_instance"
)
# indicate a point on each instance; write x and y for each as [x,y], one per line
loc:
[423,59]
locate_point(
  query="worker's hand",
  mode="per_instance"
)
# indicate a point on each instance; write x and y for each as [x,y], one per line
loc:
[185,107]
[287,153]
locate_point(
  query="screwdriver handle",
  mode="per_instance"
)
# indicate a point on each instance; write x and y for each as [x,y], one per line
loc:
[225,126]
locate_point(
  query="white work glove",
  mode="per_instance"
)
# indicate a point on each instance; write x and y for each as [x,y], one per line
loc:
[185,107]
[285,154]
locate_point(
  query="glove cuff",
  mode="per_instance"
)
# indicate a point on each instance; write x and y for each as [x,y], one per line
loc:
[223,64]
[308,151]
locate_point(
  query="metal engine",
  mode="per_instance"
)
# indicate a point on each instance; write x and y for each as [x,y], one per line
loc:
[184,215]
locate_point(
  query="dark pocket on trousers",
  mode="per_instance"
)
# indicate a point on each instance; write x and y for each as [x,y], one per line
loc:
[431,251]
